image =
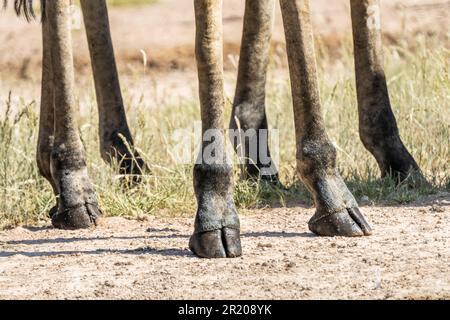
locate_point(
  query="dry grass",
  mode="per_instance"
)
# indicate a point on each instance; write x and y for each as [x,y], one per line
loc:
[420,92]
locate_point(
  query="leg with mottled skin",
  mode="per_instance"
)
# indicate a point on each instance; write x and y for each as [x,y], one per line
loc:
[113,126]
[249,106]
[46,113]
[216,233]
[337,212]
[377,125]
[77,201]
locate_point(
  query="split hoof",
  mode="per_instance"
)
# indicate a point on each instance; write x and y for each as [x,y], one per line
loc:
[80,217]
[349,222]
[224,243]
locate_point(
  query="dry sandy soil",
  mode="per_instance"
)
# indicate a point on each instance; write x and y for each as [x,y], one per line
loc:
[408,257]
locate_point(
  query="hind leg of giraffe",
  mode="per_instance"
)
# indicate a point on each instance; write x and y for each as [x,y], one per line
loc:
[337,212]
[377,125]
[249,110]
[216,233]
[62,159]
[114,132]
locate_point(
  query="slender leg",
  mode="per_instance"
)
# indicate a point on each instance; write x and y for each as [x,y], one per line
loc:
[46,114]
[112,118]
[250,97]
[77,203]
[216,233]
[377,125]
[337,212]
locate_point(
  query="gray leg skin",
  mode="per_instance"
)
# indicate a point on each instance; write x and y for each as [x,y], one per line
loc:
[216,233]
[337,212]
[112,119]
[77,202]
[249,111]
[377,125]
[46,114]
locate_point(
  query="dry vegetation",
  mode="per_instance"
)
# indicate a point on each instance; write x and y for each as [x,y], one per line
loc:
[420,92]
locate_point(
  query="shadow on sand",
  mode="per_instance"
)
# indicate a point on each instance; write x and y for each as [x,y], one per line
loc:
[170,252]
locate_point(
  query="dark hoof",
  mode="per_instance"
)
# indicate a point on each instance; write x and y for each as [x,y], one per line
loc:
[80,217]
[225,243]
[53,211]
[346,223]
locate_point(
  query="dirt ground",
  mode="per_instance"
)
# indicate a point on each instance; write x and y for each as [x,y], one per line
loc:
[408,257]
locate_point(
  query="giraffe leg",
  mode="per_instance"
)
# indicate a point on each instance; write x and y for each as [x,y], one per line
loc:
[337,212]
[113,126]
[377,125]
[249,113]
[77,203]
[46,114]
[216,233]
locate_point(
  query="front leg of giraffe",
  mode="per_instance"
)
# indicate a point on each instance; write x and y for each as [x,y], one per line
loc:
[216,233]
[63,161]
[337,212]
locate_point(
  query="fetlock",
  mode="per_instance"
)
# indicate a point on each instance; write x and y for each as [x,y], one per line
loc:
[337,212]
[213,188]
[118,146]
[217,227]
[251,146]
[390,153]
[77,201]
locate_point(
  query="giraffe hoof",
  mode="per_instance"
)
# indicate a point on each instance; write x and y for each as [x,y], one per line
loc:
[349,222]
[79,217]
[53,211]
[224,243]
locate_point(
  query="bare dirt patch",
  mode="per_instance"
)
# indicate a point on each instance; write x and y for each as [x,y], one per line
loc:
[408,257]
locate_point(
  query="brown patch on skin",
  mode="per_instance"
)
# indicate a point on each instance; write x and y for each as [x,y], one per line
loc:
[249,106]
[77,202]
[336,209]
[213,182]
[112,119]
[377,125]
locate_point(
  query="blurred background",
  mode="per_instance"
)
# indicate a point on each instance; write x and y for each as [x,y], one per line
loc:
[164,30]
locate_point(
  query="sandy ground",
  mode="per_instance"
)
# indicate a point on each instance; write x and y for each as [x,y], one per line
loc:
[408,257]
